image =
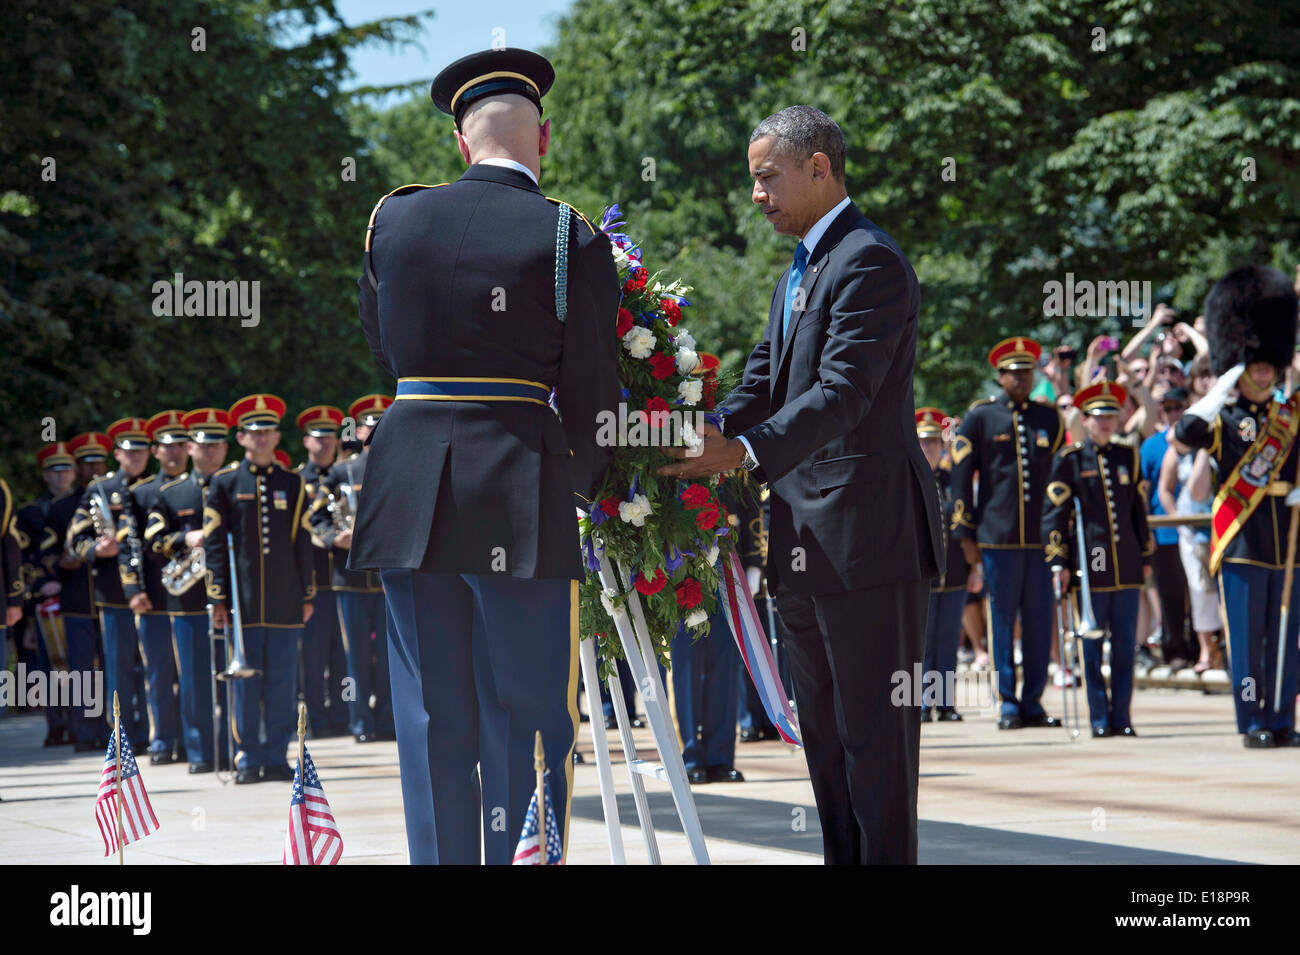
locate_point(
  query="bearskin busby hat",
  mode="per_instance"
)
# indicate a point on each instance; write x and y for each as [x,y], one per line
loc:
[1250,315]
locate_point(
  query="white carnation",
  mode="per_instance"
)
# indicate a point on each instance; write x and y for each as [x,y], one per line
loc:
[684,339]
[691,390]
[636,510]
[697,618]
[687,359]
[639,341]
[689,438]
[615,612]
[712,557]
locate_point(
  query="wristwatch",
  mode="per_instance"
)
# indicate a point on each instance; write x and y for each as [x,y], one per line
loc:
[748,462]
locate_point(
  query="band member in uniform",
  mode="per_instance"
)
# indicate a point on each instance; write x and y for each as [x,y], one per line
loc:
[261,506]
[468,507]
[358,594]
[11,572]
[1250,318]
[144,589]
[1010,441]
[55,462]
[99,546]
[948,591]
[76,589]
[320,427]
[174,528]
[1105,477]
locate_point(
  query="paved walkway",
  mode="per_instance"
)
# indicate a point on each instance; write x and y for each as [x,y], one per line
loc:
[1185,791]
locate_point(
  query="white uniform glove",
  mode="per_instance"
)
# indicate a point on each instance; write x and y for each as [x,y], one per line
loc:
[755,577]
[1293,498]
[1208,408]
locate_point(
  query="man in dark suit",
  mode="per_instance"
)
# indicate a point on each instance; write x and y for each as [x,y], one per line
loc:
[482,297]
[825,414]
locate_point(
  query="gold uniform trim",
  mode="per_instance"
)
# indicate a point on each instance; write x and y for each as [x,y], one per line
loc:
[1058,492]
[374,213]
[495,74]
[574,210]
[961,447]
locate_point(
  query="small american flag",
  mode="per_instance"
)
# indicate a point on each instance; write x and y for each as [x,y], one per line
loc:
[138,819]
[527,853]
[313,838]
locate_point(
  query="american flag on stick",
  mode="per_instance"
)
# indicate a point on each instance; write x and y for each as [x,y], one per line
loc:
[137,815]
[313,837]
[528,852]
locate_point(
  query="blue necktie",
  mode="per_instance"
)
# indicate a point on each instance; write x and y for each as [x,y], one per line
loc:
[796,276]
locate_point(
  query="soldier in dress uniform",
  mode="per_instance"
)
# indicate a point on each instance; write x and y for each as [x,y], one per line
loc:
[358,594]
[41,583]
[261,506]
[144,589]
[1250,318]
[1105,477]
[948,590]
[320,427]
[468,507]
[11,572]
[108,495]
[1010,440]
[173,527]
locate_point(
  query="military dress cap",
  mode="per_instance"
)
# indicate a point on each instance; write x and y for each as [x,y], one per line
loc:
[282,459]
[130,434]
[54,457]
[707,366]
[1014,354]
[370,409]
[491,73]
[930,422]
[1105,397]
[320,421]
[207,425]
[1250,315]
[167,427]
[257,412]
[90,446]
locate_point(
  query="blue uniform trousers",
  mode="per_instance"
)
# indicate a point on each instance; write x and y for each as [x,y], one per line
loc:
[268,699]
[1019,582]
[318,635]
[704,680]
[479,664]
[942,635]
[1117,612]
[159,657]
[1251,598]
[121,651]
[360,615]
[83,648]
[56,717]
[339,716]
[626,683]
[194,657]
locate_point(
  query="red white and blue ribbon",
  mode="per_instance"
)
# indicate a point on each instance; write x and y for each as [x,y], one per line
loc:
[751,639]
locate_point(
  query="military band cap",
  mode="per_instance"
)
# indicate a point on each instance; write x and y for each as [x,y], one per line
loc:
[90,446]
[207,425]
[369,409]
[167,427]
[130,434]
[491,73]
[930,422]
[54,457]
[320,421]
[1015,354]
[257,412]
[1105,397]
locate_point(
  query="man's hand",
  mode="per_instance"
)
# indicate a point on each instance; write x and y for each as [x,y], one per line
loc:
[970,549]
[50,588]
[13,615]
[140,603]
[194,539]
[220,617]
[1063,578]
[307,608]
[975,579]
[106,547]
[717,455]
[343,540]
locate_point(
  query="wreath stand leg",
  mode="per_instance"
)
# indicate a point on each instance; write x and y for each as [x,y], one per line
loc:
[637,648]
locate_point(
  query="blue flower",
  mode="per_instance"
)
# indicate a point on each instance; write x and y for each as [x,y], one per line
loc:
[674,560]
[589,552]
[609,218]
[598,515]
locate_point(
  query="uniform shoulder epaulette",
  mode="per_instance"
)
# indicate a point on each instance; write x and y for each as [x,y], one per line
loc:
[981,401]
[297,468]
[1071,448]
[143,481]
[99,478]
[574,210]
[229,467]
[173,482]
[399,191]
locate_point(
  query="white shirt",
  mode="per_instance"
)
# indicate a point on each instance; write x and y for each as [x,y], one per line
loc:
[809,240]
[508,164]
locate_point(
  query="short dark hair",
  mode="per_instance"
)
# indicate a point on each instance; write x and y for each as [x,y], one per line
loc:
[802,131]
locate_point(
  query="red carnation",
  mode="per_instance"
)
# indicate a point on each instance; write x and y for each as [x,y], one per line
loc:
[639,277]
[629,287]
[624,322]
[662,365]
[697,495]
[658,411]
[688,593]
[672,311]
[610,506]
[649,587]
[707,518]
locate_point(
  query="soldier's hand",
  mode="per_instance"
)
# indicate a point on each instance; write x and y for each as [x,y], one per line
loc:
[140,603]
[220,616]
[106,547]
[975,579]
[50,588]
[971,551]
[1063,578]
[343,540]
[13,615]
[194,539]
[307,609]
[69,561]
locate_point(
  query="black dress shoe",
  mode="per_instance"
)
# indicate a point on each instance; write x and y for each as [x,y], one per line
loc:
[281,773]
[1100,731]
[577,757]
[584,718]
[1123,731]
[1259,739]
[1010,723]
[247,776]
[197,768]
[947,715]
[611,723]
[161,759]
[927,715]
[1041,720]
[1286,738]
[365,737]
[725,774]
[696,775]
[388,737]
[639,722]
[751,734]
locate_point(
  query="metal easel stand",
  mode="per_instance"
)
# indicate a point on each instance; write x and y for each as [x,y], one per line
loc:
[635,637]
